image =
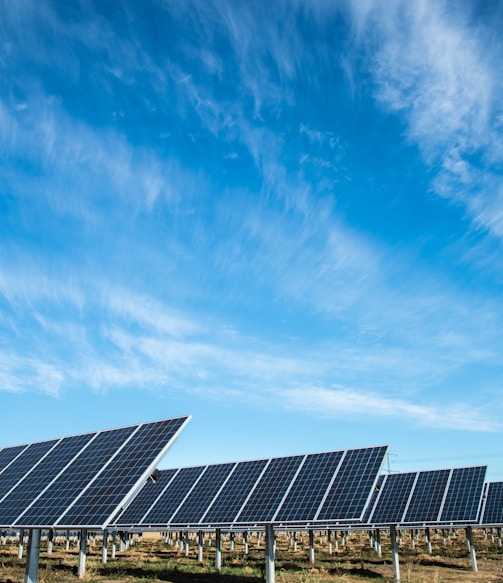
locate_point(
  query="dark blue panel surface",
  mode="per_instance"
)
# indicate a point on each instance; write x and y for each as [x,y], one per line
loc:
[202,495]
[139,507]
[427,497]
[307,492]
[173,496]
[464,495]
[234,493]
[119,476]
[25,462]
[493,511]
[353,484]
[8,454]
[40,477]
[270,490]
[393,499]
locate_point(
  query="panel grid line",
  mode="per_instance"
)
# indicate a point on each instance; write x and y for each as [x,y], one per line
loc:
[160,495]
[189,492]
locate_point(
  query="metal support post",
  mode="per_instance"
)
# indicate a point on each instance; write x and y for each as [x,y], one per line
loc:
[20,545]
[104,544]
[428,541]
[377,540]
[31,573]
[200,541]
[218,549]
[270,573]
[114,545]
[329,541]
[471,548]
[186,543]
[50,542]
[311,547]
[82,554]
[245,540]
[394,554]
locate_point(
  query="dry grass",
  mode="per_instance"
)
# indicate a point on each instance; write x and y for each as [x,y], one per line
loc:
[154,561]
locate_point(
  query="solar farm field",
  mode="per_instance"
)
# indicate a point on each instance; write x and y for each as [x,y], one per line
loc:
[152,559]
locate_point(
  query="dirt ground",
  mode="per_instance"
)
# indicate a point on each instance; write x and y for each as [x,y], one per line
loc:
[154,560]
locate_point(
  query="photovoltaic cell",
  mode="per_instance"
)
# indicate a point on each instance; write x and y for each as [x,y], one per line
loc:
[493,509]
[463,498]
[427,498]
[233,495]
[307,492]
[270,490]
[203,493]
[351,489]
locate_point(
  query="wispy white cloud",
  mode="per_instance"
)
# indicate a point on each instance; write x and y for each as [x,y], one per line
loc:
[344,403]
[433,66]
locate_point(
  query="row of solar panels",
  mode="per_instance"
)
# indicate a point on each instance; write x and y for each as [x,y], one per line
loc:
[101,479]
[243,494]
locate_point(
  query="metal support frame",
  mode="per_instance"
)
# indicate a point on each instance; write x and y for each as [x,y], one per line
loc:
[33,555]
[311,547]
[270,572]
[82,553]
[394,554]
[471,548]
[377,543]
[50,542]
[114,545]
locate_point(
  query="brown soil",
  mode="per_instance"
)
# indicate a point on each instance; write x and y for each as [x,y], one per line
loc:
[155,561]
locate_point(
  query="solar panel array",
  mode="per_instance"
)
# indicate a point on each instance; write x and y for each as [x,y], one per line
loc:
[450,496]
[325,487]
[492,512]
[80,481]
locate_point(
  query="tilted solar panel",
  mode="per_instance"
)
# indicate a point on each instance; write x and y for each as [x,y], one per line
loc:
[492,514]
[435,497]
[352,487]
[426,500]
[81,481]
[225,507]
[462,503]
[308,490]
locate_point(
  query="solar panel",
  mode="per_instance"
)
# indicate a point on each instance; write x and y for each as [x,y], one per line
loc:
[352,487]
[492,514]
[309,488]
[224,508]
[432,497]
[287,490]
[174,495]
[196,503]
[463,498]
[80,481]
[426,501]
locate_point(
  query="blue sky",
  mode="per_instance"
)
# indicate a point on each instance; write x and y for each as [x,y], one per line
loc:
[283,218]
